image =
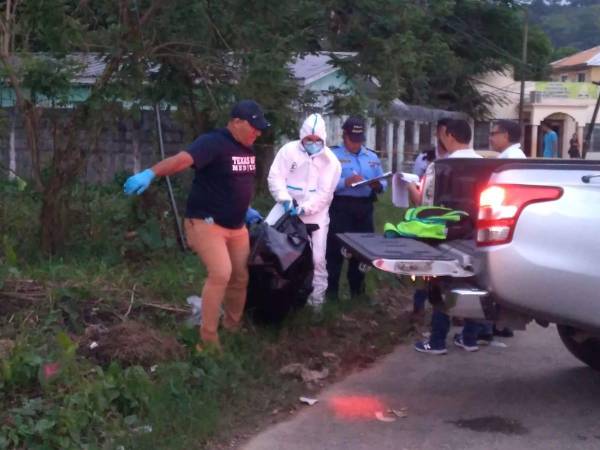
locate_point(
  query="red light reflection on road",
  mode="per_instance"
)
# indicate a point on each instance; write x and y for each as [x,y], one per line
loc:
[356,407]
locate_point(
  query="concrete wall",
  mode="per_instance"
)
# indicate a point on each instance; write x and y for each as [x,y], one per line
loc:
[126,146]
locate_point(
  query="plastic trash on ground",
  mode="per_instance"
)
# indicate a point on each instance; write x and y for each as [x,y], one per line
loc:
[196,304]
[309,401]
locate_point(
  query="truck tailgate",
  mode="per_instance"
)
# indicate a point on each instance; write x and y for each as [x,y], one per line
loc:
[405,256]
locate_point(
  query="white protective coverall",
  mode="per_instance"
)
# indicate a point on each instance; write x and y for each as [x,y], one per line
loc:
[311,181]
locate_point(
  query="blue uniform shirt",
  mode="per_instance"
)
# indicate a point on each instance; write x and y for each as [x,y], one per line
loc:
[365,163]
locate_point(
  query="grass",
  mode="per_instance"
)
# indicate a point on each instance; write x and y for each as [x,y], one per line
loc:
[121,257]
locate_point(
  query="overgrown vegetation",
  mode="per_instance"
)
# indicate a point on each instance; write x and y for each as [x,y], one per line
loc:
[200,56]
[96,351]
[572,25]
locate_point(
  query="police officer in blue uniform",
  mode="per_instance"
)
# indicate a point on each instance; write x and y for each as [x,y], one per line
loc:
[352,207]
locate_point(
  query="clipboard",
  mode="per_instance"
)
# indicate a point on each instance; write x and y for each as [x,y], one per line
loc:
[370,180]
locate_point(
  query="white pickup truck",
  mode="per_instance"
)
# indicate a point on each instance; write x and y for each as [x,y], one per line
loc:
[533,253]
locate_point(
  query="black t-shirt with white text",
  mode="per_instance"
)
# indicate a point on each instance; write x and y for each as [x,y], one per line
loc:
[224,179]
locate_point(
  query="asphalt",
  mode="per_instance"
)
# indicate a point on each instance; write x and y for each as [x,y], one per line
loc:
[531,395]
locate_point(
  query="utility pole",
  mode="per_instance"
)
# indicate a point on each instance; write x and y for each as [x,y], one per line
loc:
[7,29]
[590,132]
[523,66]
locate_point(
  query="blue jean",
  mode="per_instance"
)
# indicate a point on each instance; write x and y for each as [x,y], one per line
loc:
[419,299]
[440,326]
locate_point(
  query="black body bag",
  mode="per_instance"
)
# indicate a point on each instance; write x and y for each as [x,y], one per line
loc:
[281,268]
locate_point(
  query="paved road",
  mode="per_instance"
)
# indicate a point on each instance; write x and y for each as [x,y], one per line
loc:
[532,395]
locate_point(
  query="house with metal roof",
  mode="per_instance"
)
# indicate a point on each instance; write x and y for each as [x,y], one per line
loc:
[580,67]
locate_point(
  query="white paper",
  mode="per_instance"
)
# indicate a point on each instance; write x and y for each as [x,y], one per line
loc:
[400,183]
[370,180]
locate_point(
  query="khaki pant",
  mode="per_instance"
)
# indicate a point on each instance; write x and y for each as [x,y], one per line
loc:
[224,253]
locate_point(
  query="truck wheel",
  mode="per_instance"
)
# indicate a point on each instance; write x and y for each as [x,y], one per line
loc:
[587,351]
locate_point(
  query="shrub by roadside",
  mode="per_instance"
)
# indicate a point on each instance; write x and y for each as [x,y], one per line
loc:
[96,353]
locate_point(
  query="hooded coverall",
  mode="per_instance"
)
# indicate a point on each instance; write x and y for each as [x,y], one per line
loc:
[310,180]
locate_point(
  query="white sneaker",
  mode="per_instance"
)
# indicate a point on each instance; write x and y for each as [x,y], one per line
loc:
[315,303]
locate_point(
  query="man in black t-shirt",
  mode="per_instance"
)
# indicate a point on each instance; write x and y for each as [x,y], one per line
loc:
[225,167]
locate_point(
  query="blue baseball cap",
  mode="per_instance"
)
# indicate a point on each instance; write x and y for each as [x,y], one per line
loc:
[354,127]
[250,111]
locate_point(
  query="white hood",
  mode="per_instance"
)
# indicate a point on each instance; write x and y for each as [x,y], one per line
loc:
[314,124]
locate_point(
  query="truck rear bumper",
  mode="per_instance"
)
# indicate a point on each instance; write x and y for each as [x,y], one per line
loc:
[405,256]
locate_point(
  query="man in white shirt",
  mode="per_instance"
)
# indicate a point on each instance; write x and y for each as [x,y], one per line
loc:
[505,138]
[455,138]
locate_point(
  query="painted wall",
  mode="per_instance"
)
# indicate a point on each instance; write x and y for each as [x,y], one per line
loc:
[591,74]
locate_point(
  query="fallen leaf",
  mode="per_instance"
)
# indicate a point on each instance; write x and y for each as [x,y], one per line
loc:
[383,418]
[309,376]
[401,413]
[349,319]
[304,373]
[292,369]
[309,401]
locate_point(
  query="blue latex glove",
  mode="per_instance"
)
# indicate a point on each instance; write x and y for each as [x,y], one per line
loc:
[252,216]
[291,209]
[297,212]
[138,183]
[288,207]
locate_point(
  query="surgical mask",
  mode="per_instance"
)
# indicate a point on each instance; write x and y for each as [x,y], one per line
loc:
[313,147]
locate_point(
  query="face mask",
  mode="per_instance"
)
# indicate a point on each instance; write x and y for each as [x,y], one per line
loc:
[313,147]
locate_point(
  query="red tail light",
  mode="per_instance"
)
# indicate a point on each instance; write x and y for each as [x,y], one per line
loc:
[500,206]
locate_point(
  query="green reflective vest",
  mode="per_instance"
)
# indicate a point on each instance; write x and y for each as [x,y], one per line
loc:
[425,222]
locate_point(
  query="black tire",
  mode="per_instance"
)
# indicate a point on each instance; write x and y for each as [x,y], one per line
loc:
[587,351]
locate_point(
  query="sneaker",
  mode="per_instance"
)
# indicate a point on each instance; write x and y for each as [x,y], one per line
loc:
[504,332]
[458,341]
[425,347]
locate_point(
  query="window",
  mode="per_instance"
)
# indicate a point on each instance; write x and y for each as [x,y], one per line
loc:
[564,78]
[581,77]
[481,138]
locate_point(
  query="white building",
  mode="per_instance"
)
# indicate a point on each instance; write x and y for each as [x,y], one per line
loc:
[566,103]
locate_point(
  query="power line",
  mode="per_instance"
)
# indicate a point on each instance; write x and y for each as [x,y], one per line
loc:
[493,87]
[485,42]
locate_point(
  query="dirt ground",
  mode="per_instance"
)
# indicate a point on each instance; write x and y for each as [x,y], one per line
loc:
[327,353]
[306,357]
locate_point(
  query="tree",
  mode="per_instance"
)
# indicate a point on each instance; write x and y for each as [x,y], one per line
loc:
[199,55]
[430,52]
[39,80]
